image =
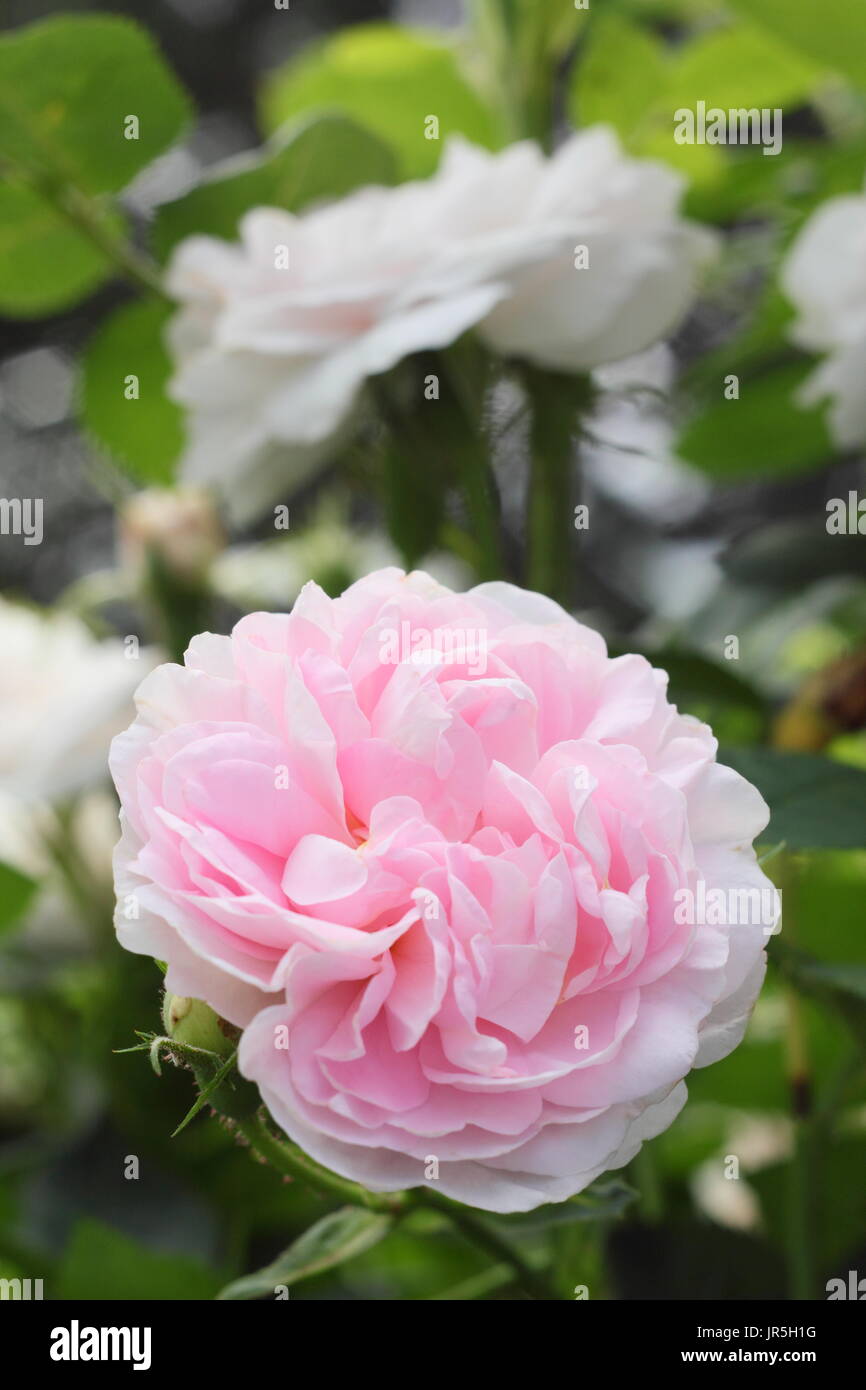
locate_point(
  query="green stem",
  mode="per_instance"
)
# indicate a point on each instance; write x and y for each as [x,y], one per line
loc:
[289,1160]
[580,1259]
[524,45]
[449,442]
[465,373]
[180,607]
[479,1233]
[801,1223]
[647,1182]
[494,40]
[802,1183]
[482,504]
[557,402]
[292,1163]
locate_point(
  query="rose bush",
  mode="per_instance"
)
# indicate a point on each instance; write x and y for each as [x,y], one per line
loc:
[277,335]
[426,848]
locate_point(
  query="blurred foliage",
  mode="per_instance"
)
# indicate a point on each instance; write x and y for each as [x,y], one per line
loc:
[389,80]
[133,336]
[319,157]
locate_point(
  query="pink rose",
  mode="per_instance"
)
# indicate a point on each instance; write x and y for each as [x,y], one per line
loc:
[475,891]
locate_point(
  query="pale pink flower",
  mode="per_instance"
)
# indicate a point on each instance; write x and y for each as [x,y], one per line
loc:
[427,849]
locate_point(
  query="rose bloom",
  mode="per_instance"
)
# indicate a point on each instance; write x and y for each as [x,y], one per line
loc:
[277,335]
[425,848]
[824,276]
[63,696]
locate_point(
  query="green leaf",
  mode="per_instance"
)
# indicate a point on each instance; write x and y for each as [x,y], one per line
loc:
[848,979]
[603,1201]
[337,1237]
[45,265]
[389,79]
[619,75]
[754,349]
[739,66]
[763,434]
[815,803]
[831,33]
[826,895]
[419,1259]
[207,1091]
[16,893]
[143,435]
[839,988]
[67,87]
[788,187]
[100,1264]
[627,78]
[323,157]
[792,553]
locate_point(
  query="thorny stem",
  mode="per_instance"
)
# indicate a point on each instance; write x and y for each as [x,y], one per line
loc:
[290,1161]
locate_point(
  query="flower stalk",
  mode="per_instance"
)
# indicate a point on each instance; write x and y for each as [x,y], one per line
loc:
[802,1185]
[557,403]
[292,1162]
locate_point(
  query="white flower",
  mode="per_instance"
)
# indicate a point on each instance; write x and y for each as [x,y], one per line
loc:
[63,696]
[277,335]
[825,278]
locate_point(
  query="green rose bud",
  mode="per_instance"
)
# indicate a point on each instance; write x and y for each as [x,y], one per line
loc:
[192,1022]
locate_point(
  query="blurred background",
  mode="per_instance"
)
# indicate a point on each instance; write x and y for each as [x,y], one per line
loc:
[700,532]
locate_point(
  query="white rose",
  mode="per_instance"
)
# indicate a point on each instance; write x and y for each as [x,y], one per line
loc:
[824,276]
[272,359]
[63,697]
